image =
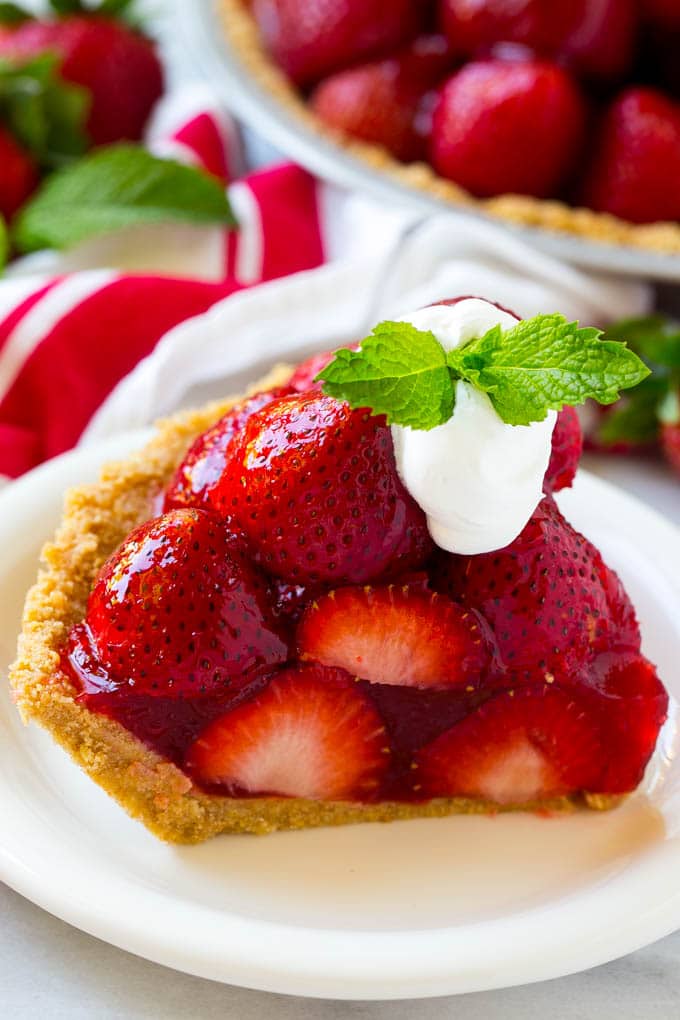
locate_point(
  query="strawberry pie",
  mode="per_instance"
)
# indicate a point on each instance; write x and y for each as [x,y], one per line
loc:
[561,114]
[350,595]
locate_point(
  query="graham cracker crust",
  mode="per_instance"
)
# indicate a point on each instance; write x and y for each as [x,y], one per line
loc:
[96,519]
[242,33]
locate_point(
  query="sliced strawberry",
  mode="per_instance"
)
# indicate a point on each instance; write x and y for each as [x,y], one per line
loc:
[203,465]
[310,733]
[396,635]
[381,101]
[177,609]
[520,746]
[550,599]
[632,705]
[567,445]
[314,486]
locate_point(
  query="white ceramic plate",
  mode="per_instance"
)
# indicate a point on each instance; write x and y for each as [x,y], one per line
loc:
[420,908]
[199,24]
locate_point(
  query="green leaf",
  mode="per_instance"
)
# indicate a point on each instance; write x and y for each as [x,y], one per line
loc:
[115,187]
[400,372]
[65,7]
[635,419]
[12,14]
[114,8]
[44,112]
[654,337]
[4,244]
[543,363]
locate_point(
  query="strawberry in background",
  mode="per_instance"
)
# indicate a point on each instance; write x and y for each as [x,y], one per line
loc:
[513,126]
[385,101]
[18,175]
[98,50]
[648,416]
[593,37]
[313,38]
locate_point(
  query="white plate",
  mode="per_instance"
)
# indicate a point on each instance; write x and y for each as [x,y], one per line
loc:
[200,25]
[420,908]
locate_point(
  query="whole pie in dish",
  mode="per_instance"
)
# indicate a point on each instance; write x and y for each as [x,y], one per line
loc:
[561,114]
[257,622]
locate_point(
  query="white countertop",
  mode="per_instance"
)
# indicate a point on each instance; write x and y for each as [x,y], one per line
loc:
[50,970]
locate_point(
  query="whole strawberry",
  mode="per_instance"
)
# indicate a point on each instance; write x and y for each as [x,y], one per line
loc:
[635,169]
[663,13]
[508,126]
[595,37]
[204,463]
[178,610]
[117,65]
[550,599]
[314,38]
[18,175]
[314,487]
[381,102]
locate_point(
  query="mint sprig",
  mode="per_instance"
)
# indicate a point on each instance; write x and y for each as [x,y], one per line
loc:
[539,365]
[114,187]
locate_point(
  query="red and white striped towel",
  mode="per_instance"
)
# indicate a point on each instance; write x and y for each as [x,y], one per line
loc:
[67,339]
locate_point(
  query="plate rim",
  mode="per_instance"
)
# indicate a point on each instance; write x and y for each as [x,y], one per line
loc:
[341,963]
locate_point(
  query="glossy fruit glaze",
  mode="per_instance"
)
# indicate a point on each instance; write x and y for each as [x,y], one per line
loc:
[378,667]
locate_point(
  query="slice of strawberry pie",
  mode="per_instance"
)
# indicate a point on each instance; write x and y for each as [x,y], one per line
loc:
[360,600]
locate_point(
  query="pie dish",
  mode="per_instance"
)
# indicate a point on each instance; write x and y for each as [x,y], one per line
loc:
[179,758]
[555,215]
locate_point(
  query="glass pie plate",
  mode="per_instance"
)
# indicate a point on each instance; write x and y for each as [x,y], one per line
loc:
[222,61]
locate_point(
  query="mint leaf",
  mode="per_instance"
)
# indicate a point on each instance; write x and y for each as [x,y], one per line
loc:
[540,364]
[44,112]
[115,187]
[543,363]
[400,372]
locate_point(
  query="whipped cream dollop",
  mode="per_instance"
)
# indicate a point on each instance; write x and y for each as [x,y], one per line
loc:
[477,479]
